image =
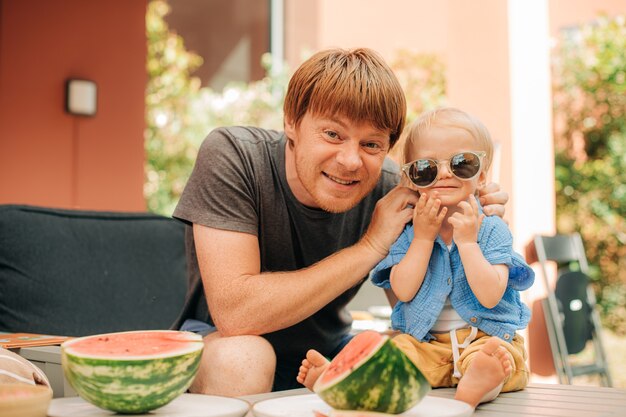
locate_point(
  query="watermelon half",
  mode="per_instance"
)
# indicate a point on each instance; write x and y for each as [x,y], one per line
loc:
[132,372]
[372,374]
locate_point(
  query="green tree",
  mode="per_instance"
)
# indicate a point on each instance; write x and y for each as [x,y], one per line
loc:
[180,112]
[170,140]
[590,145]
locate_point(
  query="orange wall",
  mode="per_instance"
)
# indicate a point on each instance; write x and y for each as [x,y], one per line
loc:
[48,157]
[383,25]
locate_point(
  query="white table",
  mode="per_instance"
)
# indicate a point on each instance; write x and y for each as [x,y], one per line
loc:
[537,400]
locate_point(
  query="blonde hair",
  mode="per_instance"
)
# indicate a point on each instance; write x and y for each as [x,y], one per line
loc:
[448,117]
[356,84]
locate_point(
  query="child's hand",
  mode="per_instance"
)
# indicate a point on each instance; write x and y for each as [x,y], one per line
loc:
[427,217]
[466,224]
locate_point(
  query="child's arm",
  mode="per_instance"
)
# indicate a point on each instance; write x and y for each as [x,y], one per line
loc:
[488,282]
[391,297]
[407,276]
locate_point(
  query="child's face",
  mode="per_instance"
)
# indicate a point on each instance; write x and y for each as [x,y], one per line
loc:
[440,144]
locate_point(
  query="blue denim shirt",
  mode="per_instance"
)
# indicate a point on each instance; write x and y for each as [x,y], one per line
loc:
[445,277]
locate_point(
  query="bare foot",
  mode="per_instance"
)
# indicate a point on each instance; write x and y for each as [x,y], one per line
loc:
[488,370]
[312,367]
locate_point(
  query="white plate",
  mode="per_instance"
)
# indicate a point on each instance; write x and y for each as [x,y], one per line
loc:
[381,312]
[303,406]
[376,325]
[187,405]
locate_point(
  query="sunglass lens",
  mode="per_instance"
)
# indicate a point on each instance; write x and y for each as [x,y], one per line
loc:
[423,172]
[465,165]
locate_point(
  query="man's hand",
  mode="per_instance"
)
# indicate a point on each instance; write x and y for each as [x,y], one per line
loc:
[427,217]
[392,212]
[493,199]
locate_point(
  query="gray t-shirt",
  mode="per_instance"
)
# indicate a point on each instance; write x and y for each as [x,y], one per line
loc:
[239,184]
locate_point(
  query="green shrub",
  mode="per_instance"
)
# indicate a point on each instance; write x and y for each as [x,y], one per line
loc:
[180,113]
[589,73]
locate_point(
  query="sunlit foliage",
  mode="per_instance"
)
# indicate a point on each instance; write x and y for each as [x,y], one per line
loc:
[589,73]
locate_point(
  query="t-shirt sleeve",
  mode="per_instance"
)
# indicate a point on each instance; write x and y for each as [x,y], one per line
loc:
[380,273]
[221,191]
[497,246]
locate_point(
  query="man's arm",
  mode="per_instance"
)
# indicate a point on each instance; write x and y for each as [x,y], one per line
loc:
[243,300]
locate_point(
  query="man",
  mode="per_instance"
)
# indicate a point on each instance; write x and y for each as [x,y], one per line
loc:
[285,226]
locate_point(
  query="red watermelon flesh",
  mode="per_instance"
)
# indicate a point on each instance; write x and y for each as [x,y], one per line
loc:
[346,359]
[130,344]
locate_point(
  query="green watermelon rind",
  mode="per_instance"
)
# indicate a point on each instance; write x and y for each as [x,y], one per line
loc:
[385,381]
[131,386]
[356,413]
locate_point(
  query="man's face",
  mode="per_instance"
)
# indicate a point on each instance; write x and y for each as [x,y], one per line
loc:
[334,162]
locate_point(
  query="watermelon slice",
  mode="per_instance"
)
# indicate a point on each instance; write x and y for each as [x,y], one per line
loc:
[372,374]
[132,372]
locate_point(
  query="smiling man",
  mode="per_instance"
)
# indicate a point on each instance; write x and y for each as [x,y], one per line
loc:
[285,226]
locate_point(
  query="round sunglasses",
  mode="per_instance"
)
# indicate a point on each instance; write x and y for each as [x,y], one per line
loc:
[424,172]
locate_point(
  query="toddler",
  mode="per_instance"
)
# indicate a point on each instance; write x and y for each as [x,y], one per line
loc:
[452,271]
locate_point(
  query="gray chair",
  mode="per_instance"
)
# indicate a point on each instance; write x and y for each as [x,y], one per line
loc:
[570,314]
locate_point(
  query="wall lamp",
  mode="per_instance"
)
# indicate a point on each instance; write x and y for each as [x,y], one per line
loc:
[81,97]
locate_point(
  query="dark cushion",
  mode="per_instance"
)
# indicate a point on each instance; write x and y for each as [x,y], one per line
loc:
[576,311]
[75,273]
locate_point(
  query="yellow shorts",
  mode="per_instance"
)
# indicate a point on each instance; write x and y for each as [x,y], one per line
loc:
[435,358]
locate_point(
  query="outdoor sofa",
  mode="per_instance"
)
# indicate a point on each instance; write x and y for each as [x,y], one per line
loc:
[75,273]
